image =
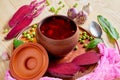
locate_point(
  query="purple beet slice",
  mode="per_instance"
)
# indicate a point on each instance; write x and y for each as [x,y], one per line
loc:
[63,69]
[86,58]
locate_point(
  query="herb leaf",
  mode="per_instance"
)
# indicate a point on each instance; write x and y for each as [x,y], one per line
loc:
[93,43]
[5,31]
[47,2]
[107,27]
[75,5]
[17,43]
[52,9]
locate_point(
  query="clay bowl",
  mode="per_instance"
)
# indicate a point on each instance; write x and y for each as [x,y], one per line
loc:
[29,62]
[58,34]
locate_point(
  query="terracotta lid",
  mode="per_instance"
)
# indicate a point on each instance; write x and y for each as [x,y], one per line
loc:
[29,62]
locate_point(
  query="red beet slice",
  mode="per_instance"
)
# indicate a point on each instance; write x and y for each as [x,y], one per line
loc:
[22,24]
[20,14]
[23,17]
[87,58]
[19,27]
[23,11]
[63,69]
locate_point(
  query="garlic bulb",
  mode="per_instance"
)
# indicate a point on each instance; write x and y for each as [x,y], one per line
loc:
[5,56]
[72,13]
[87,8]
[81,17]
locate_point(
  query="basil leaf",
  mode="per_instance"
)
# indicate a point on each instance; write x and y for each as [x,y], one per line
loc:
[93,43]
[17,43]
[107,27]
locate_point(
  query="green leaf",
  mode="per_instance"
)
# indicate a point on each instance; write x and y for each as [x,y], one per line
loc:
[100,20]
[52,9]
[17,43]
[107,27]
[75,5]
[47,2]
[93,43]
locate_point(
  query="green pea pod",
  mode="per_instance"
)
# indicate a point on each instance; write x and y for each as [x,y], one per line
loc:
[93,43]
[107,27]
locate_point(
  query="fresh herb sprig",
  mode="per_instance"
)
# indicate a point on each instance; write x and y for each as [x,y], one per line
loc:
[6,31]
[47,2]
[17,43]
[93,43]
[52,9]
[109,29]
[56,10]
[75,5]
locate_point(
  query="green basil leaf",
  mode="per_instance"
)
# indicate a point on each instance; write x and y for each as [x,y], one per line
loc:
[107,27]
[17,43]
[93,43]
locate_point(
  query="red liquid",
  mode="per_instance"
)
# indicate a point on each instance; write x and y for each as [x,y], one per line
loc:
[58,28]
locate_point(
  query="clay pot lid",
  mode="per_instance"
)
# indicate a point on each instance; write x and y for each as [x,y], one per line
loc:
[29,62]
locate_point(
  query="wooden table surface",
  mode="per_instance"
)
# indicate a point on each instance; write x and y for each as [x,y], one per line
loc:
[107,8]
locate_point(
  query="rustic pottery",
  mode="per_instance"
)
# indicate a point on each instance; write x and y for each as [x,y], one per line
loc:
[55,44]
[29,62]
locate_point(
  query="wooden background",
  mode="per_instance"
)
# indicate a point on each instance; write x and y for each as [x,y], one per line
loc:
[108,8]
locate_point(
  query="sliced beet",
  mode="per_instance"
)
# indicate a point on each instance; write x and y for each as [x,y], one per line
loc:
[63,69]
[86,58]
[83,69]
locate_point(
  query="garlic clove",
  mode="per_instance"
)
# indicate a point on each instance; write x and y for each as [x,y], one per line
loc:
[72,13]
[5,56]
[81,17]
[87,8]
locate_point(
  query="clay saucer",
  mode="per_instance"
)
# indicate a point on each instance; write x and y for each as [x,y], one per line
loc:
[29,62]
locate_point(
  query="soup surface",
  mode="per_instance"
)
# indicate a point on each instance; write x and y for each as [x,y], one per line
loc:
[58,28]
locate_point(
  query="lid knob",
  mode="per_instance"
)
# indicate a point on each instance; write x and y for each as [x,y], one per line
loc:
[31,63]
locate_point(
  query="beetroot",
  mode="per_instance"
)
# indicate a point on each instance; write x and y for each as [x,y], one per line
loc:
[20,14]
[15,30]
[80,63]
[23,17]
[23,11]
[86,58]
[63,69]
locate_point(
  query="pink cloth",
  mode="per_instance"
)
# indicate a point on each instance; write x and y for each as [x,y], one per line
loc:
[108,67]
[8,76]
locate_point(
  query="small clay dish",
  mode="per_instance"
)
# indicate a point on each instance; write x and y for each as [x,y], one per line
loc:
[58,34]
[29,62]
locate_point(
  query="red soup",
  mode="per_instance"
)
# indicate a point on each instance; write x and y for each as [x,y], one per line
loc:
[58,28]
